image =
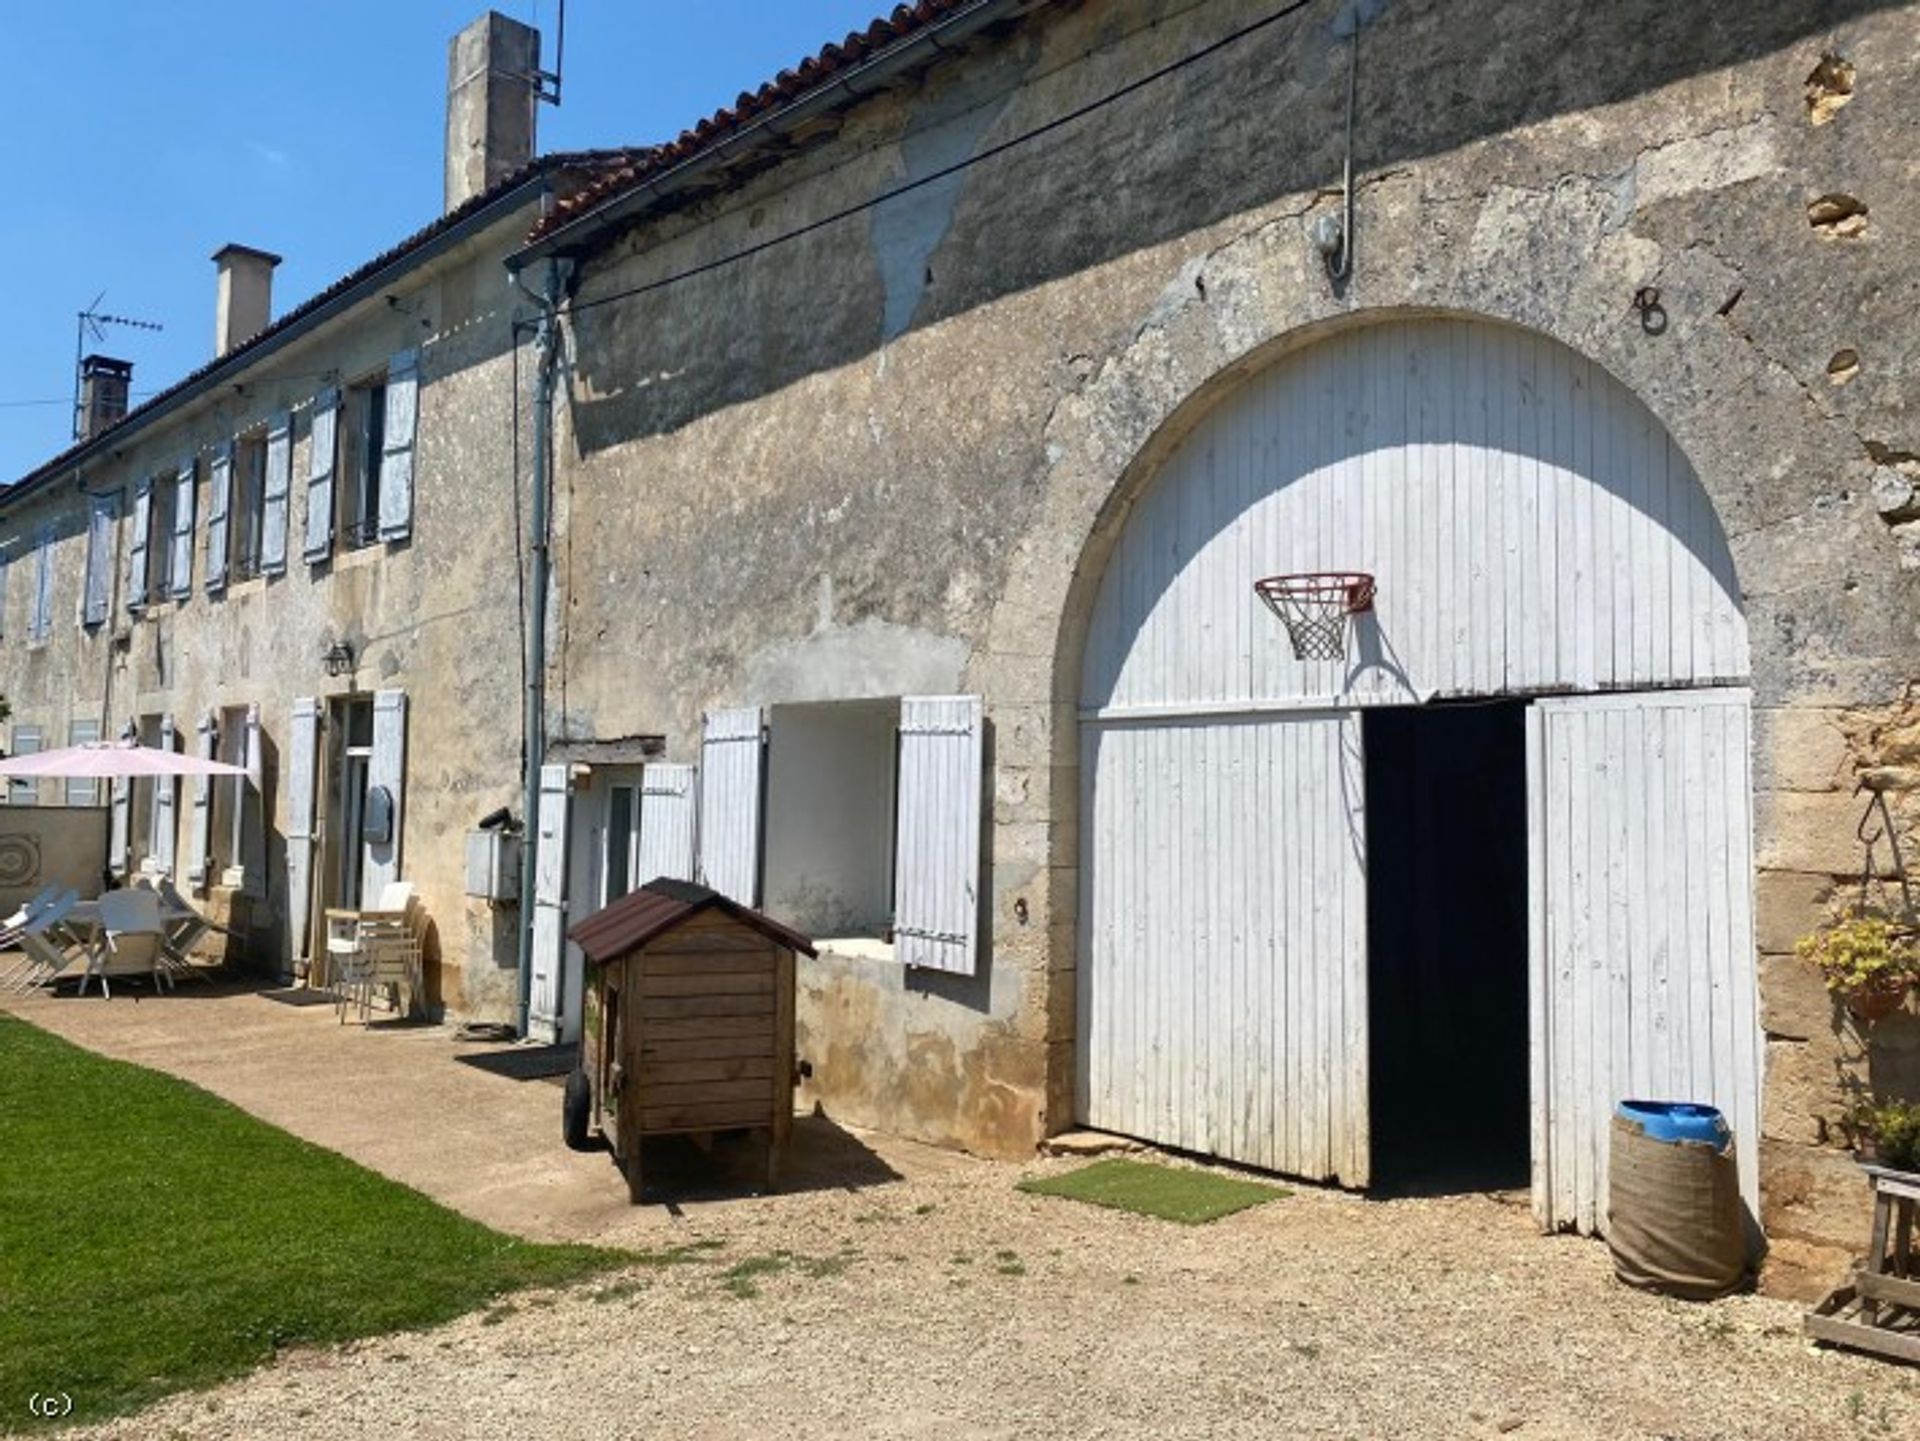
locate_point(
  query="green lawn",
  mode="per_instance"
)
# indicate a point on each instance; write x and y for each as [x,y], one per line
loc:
[1167,1192]
[153,1238]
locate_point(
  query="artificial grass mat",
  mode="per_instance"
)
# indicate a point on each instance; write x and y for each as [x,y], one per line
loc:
[1170,1193]
[154,1238]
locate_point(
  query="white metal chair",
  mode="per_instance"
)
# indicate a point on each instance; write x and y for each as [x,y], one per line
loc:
[373,951]
[182,926]
[46,947]
[131,937]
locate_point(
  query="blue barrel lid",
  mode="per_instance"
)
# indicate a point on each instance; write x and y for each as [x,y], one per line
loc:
[1679,1121]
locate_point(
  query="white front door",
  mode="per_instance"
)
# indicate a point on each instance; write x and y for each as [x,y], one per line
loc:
[1640,839]
[1223,954]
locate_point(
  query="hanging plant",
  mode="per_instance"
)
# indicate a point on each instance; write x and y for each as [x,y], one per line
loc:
[1868,961]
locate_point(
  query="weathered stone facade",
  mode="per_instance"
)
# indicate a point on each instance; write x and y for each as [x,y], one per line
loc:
[888,455]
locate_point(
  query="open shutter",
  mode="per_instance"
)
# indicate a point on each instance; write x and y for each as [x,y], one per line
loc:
[732,768]
[199,828]
[396,453]
[137,544]
[321,455]
[166,801]
[183,501]
[549,903]
[303,750]
[666,824]
[387,771]
[41,626]
[1641,847]
[273,496]
[120,822]
[250,851]
[936,892]
[219,502]
[97,599]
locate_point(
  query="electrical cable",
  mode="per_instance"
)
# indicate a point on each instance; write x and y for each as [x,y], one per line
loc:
[1059,122]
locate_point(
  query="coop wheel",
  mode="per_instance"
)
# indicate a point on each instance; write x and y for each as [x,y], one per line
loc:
[574,1109]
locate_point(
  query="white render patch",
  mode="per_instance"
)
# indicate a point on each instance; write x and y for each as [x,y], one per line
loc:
[1712,161]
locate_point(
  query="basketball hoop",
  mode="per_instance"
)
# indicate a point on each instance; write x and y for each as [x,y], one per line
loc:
[1315,606]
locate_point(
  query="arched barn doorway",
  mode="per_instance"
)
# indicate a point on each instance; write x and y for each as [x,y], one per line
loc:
[1425,913]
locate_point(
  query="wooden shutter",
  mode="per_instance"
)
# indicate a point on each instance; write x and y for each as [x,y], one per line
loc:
[1641,845]
[396,453]
[166,801]
[219,503]
[120,819]
[199,828]
[250,854]
[273,496]
[732,768]
[97,599]
[322,453]
[303,752]
[936,891]
[666,823]
[137,544]
[41,625]
[545,1002]
[387,768]
[181,579]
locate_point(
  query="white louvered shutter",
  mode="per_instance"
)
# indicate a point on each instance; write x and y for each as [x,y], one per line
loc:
[41,624]
[303,751]
[199,826]
[396,446]
[181,581]
[732,764]
[386,769]
[666,824]
[166,802]
[250,847]
[97,599]
[219,503]
[322,453]
[137,544]
[544,1001]
[936,898]
[273,495]
[120,820]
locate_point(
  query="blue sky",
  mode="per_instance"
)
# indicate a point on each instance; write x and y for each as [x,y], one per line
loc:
[142,136]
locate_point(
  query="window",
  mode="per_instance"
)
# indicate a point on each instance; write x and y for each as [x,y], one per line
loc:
[362,443]
[40,621]
[235,818]
[159,548]
[149,834]
[623,820]
[248,507]
[27,741]
[829,821]
[103,515]
[83,791]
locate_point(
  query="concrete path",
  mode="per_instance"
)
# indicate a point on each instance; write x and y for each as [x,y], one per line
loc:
[396,1098]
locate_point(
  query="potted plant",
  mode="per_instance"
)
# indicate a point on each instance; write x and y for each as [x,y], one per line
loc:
[1867,960]
[1887,1133]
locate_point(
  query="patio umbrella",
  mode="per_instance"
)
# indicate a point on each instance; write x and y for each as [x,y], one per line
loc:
[111,760]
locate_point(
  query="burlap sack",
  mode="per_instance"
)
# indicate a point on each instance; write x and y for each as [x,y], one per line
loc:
[1675,1223]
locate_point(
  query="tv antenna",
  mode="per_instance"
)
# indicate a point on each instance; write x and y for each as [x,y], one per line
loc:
[546,83]
[93,322]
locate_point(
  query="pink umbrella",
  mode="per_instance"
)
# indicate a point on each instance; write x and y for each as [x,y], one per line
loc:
[109,759]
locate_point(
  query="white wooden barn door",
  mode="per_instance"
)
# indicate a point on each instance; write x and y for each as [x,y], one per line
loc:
[1643,985]
[1223,948]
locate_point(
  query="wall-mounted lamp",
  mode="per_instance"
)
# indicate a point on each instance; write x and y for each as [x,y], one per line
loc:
[338,659]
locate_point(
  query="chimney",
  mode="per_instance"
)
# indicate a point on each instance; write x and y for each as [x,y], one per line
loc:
[492,79]
[245,301]
[104,383]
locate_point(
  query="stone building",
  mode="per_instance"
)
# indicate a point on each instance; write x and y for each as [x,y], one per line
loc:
[304,558]
[921,424]
[994,354]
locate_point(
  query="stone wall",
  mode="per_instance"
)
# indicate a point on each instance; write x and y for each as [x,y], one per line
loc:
[890,455]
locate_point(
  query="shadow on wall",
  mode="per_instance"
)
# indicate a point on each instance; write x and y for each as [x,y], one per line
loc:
[1118,181]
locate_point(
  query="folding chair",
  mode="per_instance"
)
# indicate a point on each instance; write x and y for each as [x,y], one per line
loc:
[46,948]
[182,926]
[131,940]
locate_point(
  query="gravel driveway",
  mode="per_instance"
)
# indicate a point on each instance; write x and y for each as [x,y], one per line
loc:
[946,1304]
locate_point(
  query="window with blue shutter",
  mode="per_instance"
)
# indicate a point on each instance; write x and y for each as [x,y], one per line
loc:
[40,622]
[97,599]
[323,452]
[137,549]
[180,570]
[219,504]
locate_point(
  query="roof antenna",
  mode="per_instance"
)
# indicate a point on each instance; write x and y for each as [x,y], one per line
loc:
[546,83]
[93,321]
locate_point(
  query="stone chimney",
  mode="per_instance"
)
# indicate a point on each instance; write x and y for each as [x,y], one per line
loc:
[492,69]
[245,302]
[104,383]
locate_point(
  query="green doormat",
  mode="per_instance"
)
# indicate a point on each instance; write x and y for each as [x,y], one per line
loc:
[1189,1197]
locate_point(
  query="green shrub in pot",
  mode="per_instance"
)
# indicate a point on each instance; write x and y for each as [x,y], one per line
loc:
[1868,960]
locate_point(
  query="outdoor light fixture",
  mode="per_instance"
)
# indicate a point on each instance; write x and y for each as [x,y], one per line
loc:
[338,659]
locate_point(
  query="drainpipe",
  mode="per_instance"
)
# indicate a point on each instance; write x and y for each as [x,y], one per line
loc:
[545,348]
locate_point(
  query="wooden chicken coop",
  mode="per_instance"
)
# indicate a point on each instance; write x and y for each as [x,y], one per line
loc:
[688,1024]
